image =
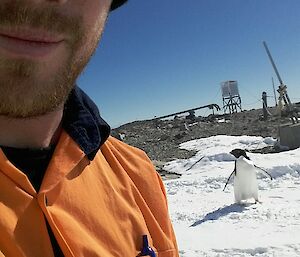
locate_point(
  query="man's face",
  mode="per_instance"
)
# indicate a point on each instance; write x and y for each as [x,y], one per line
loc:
[44,45]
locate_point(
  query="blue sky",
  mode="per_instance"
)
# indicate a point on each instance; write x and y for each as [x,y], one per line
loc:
[161,56]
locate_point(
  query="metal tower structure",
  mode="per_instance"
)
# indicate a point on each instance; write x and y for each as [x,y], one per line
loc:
[232,101]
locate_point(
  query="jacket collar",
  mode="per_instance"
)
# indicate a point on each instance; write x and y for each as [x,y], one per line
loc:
[82,121]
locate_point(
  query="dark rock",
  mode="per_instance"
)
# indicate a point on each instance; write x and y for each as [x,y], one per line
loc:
[160,139]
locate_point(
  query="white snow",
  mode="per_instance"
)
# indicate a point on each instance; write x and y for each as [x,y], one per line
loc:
[206,220]
[223,121]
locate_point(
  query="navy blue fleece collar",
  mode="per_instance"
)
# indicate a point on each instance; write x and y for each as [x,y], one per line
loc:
[84,124]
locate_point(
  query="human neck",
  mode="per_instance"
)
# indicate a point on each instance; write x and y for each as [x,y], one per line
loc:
[37,132]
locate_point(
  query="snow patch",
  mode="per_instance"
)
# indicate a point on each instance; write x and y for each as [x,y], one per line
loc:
[206,220]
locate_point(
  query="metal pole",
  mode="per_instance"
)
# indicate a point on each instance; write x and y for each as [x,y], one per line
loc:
[265,105]
[190,110]
[273,63]
[274,92]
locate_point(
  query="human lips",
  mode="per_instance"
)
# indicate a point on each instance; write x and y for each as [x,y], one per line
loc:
[28,42]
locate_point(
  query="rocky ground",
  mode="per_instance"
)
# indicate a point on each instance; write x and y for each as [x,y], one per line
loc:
[160,138]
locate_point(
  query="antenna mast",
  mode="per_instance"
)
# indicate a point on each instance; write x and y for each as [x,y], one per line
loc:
[282,90]
[273,63]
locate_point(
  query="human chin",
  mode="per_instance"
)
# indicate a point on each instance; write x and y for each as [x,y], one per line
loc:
[38,85]
[29,88]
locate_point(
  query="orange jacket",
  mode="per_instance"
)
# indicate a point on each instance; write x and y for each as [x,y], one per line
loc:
[95,208]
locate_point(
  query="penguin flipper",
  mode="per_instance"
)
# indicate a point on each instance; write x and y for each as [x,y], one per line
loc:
[234,171]
[264,171]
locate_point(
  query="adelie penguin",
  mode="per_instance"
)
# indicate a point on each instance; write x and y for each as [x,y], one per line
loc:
[244,182]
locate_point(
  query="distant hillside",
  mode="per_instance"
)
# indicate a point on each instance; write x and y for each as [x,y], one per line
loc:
[160,138]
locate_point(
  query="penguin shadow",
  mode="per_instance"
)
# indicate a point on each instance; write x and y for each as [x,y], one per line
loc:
[222,212]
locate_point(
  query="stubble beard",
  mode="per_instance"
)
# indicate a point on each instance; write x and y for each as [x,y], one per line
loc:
[22,93]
